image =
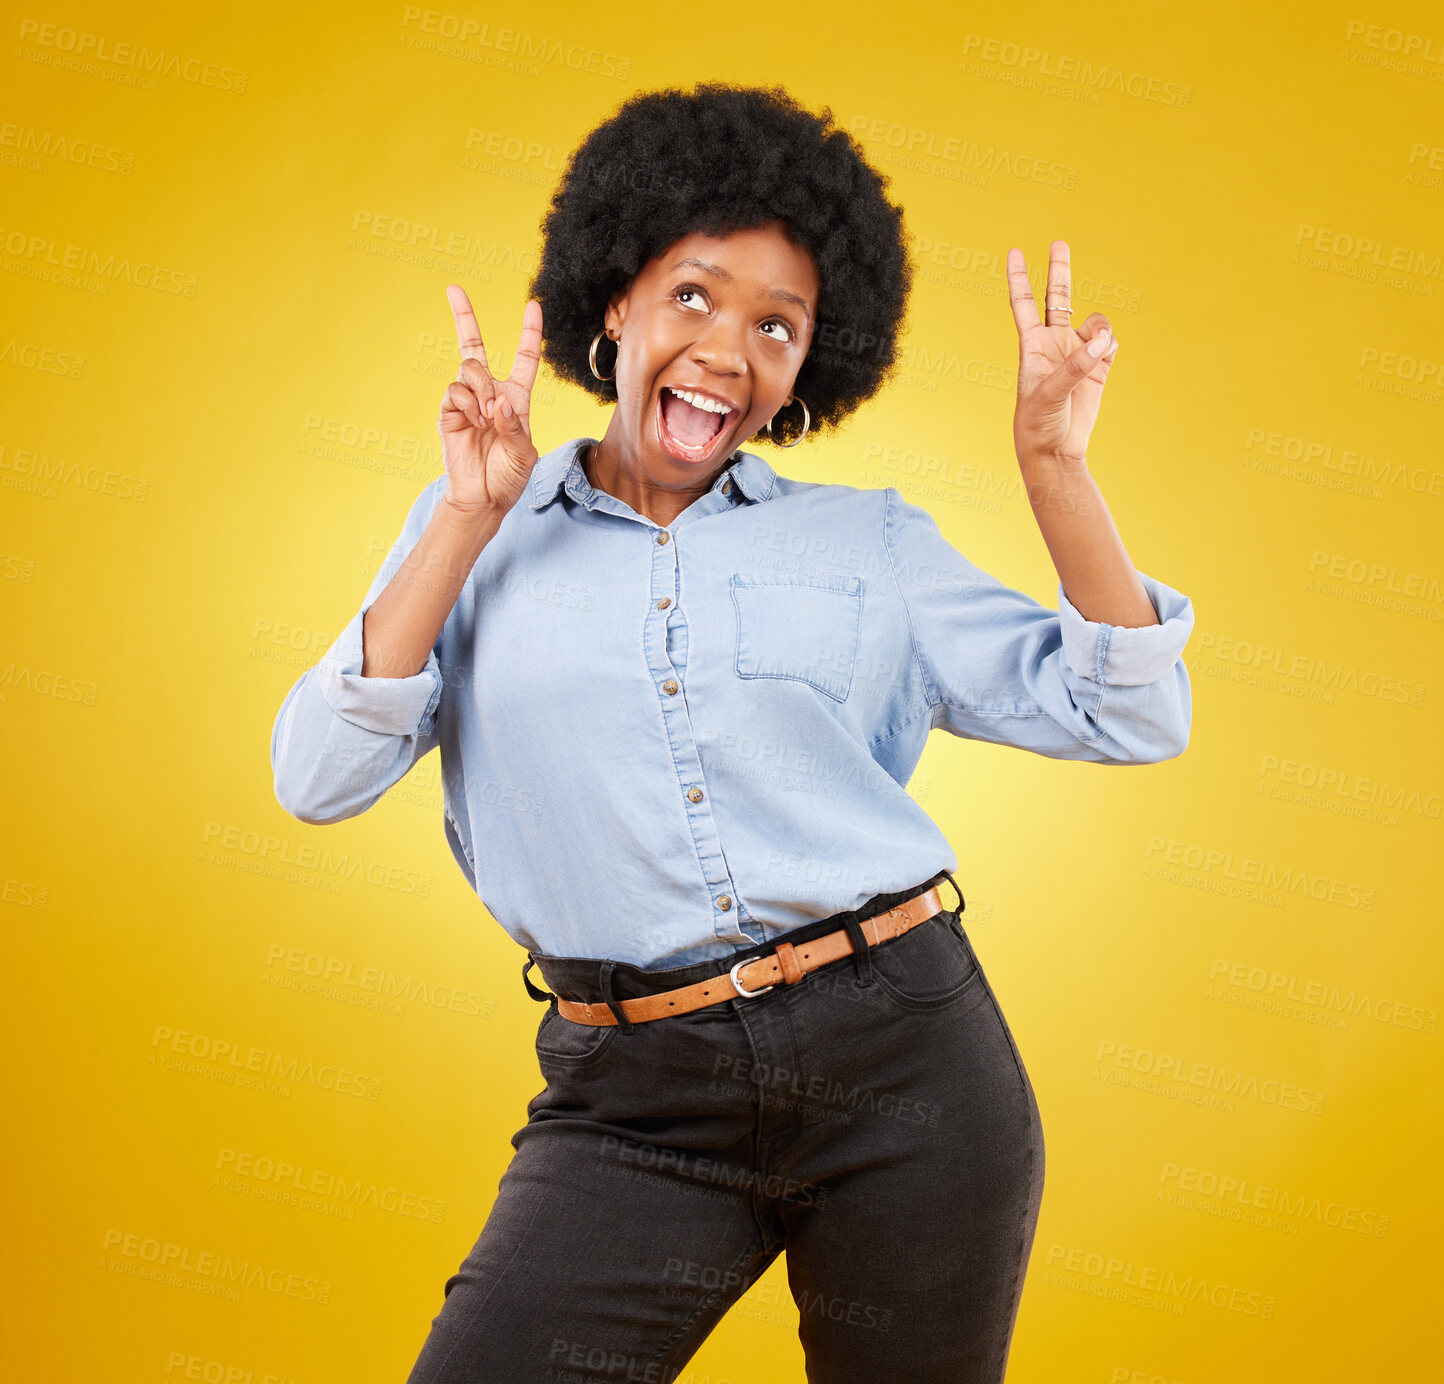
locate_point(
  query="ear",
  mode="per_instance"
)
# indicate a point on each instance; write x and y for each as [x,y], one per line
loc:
[616,315]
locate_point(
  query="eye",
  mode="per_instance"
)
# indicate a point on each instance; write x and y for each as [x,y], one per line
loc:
[685,291]
[688,289]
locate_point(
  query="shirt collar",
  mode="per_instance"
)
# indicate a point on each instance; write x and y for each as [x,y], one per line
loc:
[563,466]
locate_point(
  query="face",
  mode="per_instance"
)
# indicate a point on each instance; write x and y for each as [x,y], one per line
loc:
[727,319]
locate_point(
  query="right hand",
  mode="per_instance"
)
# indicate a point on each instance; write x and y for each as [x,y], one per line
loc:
[485,423]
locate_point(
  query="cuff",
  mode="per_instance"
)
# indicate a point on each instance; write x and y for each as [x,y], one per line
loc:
[1127,656]
[388,706]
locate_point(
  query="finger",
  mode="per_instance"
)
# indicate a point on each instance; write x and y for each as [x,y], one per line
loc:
[528,352]
[1059,298]
[1020,292]
[508,422]
[1097,326]
[468,331]
[478,377]
[459,408]
[514,436]
[1078,366]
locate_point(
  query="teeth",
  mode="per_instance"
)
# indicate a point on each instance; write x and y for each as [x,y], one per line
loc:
[699,400]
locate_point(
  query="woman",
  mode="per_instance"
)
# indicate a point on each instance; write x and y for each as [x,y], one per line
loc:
[678,697]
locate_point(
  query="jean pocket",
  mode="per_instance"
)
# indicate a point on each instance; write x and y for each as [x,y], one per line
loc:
[805,630]
[563,1040]
[928,966]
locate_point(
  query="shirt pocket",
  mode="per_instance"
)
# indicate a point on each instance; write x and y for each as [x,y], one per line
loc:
[801,629]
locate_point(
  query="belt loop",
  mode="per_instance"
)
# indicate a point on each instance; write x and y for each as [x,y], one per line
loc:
[962,903]
[623,1022]
[860,949]
[545,996]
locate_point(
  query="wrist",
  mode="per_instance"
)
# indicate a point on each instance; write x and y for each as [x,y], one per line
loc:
[457,537]
[1033,462]
[1058,485]
[465,525]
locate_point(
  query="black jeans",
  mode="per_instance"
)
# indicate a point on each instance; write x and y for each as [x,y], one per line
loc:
[875,1120]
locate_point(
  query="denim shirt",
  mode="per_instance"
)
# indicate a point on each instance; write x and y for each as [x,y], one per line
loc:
[665,744]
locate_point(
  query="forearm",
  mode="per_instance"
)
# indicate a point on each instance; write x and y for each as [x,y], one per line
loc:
[1097,574]
[402,624]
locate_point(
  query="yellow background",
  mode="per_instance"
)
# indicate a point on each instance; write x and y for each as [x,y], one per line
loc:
[219,400]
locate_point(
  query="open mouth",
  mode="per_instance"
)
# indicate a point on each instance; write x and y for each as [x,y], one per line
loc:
[690,431]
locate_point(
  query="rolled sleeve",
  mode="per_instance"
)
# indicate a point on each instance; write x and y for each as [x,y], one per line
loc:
[1122,655]
[341,739]
[389,706]
[995,664]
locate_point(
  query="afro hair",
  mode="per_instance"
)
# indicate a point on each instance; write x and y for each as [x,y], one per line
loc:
[716,159]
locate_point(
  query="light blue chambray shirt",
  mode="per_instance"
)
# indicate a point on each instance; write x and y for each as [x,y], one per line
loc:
[667,744]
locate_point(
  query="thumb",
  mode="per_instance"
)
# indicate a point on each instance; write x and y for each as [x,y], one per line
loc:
[1077,367]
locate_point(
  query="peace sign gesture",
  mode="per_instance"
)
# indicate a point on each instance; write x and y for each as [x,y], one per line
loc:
[485,423]
[1061,372]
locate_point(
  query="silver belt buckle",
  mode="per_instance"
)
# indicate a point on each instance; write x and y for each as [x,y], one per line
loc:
[737,984]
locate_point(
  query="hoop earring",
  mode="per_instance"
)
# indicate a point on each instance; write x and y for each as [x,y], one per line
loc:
[592,357]
[806,423]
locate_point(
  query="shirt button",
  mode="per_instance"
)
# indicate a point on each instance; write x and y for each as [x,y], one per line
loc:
[725,902]
[669,687]
[726,487]
[695,794]
[664,603]
[663,536]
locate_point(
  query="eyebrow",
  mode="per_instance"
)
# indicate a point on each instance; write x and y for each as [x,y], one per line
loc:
[784,294]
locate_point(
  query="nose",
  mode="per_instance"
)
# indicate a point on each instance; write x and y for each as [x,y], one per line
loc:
[719,348]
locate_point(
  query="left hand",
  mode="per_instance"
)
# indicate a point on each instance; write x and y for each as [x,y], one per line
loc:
[1060,385]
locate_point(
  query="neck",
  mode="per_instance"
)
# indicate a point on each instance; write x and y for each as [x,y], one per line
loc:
[610,468]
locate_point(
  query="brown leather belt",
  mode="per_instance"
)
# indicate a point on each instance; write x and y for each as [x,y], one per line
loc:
[759,974]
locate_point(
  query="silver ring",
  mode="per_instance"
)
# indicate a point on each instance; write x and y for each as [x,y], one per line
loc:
[737,984]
